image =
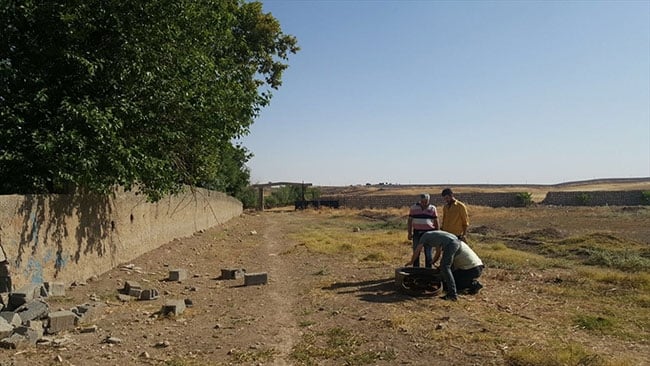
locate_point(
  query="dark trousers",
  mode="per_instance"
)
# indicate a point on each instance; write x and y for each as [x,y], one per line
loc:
[465,277]
[428,252]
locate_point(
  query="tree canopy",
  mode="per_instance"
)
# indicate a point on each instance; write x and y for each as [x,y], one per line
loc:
[147,94]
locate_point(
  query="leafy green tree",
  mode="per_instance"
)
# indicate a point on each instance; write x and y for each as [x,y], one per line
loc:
[143,94]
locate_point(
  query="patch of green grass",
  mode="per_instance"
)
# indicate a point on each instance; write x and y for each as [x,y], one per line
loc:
[383,225]
[376,257]
[338,345]
[566,353]
[306,323]
[595,323]
[256,355]
[185,362]
[340,240]
[498,255]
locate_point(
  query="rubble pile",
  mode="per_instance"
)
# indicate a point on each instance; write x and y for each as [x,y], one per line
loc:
[26,317]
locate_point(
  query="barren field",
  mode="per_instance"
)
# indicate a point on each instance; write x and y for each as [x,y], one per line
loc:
[563,286]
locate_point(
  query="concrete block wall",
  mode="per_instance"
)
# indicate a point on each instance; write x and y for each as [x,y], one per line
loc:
[505,199]
[596,198]
[73,237]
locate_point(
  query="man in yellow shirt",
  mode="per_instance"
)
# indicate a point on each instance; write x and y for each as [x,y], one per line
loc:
[454,215]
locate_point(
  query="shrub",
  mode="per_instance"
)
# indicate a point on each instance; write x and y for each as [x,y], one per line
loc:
[645,197]
[524,199]
[584,198]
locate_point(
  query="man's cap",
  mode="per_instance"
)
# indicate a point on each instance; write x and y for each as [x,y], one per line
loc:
[447,192]
[424,196]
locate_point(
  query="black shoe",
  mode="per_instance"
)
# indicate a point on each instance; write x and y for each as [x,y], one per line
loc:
[450,297]
[476,287]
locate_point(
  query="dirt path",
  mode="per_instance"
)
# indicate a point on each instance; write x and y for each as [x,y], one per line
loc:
[228,322]
[280,296]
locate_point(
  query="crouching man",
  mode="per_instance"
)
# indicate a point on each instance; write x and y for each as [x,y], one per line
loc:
[456,254]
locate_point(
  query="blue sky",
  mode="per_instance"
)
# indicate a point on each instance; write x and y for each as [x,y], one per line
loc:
[458,92]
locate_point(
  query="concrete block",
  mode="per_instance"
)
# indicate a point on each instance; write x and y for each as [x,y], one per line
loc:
[11,318]
[61,320]
[5,329]
[4,300]
[23,295]
[55,288]
[35,309]
[135,292]
[260,278]
[232,273]
[14,341]
[149,294]
[128,285]
[31,333]
[88,313]
[179,274]
[174,307]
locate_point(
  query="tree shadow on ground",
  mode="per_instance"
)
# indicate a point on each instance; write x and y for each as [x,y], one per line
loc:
[377,291]
[46,223]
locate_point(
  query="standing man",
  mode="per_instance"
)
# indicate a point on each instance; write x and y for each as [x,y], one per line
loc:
[454,215]
[466,264]
[423,217]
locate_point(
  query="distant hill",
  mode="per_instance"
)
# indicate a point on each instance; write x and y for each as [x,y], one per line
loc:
[602,184]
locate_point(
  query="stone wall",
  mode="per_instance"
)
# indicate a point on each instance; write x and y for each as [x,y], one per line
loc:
[506,199]
[73,237]
[597,198]
[503,199]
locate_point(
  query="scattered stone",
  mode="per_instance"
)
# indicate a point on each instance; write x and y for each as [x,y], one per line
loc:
[61,320]
[129,285]
[232,273]
[55,288]
[251,279]
[4,300]
[145,354]
[31,334]
[88,313]
[58,359]
[112,340]
[135,292]
[11,318]
[90,329]
[188,303]
[124,298]
[174,307]
[179,274]
[162,344]
[5,329]
[149,294]
[253,232]
[35,309]
[15,341]
[24,295]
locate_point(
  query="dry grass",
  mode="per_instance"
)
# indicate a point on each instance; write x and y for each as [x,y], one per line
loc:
[555,274]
